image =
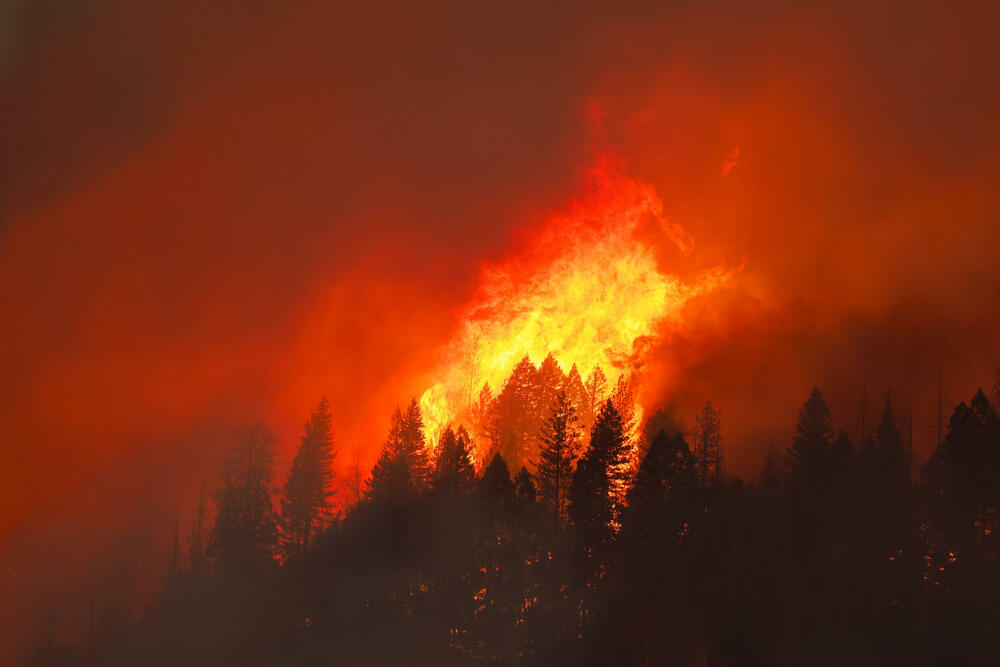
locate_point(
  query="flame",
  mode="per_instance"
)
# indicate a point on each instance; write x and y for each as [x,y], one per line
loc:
[586,290]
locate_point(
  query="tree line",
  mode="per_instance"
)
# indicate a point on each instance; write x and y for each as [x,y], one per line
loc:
[582,539]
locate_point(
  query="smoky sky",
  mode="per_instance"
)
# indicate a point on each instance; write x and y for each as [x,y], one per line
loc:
[214,211]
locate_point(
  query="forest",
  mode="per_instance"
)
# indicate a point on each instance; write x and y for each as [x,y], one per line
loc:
[556,526]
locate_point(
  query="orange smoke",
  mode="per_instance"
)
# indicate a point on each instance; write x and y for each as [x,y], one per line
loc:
[588,291]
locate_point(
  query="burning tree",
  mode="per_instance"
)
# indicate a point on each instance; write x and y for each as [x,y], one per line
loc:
[708,447]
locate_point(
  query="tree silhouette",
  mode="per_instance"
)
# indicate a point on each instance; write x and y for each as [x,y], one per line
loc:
[808,457]
[246,528]
[597,390]
[560,439]
[578,397]
[453,470]
[549,380]
[402,470]
[486,424]
[306,508]
[599,475]
[515,411]
[495,483]
[811,472]
[708,447]
[847,563]
[961,475]
[883,457]
[667,472]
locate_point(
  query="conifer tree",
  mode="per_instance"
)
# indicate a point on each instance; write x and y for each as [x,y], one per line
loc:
[808,459]
[883,457]
[453,470]
[496,495]
[524,487]
[609,447]
[599,480]
[708,447]
[560,440]
[549,380]
[812,485]
[577,394]
[668,471]
[515,410]
[495,484]
[597,389]
[590,509]
[485,422]
[623,398]
[660,503]
[388,474]
[402,468]
[306,508]
[962,473]
[246,531]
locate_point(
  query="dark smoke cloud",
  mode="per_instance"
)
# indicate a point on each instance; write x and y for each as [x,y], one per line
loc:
[214,211]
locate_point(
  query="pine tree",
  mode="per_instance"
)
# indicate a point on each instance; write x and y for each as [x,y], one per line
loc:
[306,508]
[708,447]
[515,423]
[882,483]
[667,472]
[609,447]
[246,531]
[597,389]
[962,472]
[453,470]
[808,458]
[549,380]
[590,509]
[524,487]
[577,393]
[413,446]
[812,477]
[402,469]
[495,484]
[485,423]
[884,454]
[560,439]
[660,503]
[623,398]
[599,480]
[496,495]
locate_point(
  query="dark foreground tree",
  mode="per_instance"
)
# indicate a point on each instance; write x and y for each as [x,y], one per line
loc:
[453,473]
[560,440]
[600,473]
[246,528]
[402,469]
[306,508]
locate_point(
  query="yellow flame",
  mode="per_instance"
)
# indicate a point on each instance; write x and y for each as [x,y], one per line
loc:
[590,293]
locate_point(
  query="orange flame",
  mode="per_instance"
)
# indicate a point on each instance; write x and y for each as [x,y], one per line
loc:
[587,291]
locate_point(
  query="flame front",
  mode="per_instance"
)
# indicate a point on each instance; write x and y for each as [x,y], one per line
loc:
[587,291]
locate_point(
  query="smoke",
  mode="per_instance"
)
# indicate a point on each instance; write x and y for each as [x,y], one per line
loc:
[212,212]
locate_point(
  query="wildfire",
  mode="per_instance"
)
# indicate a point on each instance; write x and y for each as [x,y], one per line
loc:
[587,291]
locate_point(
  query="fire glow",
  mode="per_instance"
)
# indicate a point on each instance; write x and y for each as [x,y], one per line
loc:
[588,291]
